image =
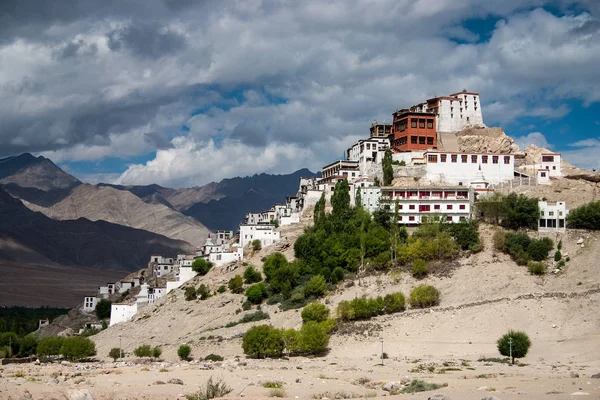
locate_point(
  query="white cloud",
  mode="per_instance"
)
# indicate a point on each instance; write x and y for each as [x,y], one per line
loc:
[536,138]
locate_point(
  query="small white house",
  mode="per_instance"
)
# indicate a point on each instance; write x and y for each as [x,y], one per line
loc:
[543,177]
[89,303]
[553,217]
[266,234]
[121,313]
[552,163]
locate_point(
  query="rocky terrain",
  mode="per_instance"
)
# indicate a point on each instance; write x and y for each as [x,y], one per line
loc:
[486,140]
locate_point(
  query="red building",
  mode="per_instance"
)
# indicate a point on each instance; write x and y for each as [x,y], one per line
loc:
[413,131]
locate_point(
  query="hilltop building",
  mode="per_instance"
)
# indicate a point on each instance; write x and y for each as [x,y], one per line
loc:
[380,130]
[553,217]
[413,130]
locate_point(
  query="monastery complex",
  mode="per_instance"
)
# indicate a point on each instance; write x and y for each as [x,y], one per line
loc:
[442,181]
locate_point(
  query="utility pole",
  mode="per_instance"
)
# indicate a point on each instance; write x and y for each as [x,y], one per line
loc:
[512,361]
[381,350]
[120,347]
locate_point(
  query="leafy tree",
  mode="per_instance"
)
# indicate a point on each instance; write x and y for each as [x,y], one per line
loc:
[256,245]
[465,233]
[358,198]
[424,296]
[263,340]
[252,275]
[319,212]
[393,302]
[273,263]
[50,346]
[388,169]
[115,353]
[257,293]
[340,200]
[316,312]
[236,284]
[144,350]
[313,338]
[156,352]
[315,287]
[77,347]
[419,268]
[512,211]
[586,216]
[103,309]
[190,293]
[515,344]
[184,352]
[337,275]
[291,338]
[10,340]
[203,291]
[201,266]
[28,345]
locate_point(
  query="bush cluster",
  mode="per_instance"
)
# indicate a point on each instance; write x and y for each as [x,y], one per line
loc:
[315,312]
[115,353]
[236,284]
[252,275]
[203,292]
[147,351]
[521,247]
[201,266]
[512,211]
[424,296]
[586,216]
[267,341]
[365,308]
[184,352]
[257,293]
[536,268]
[77,348]
[252,317]
[190,293]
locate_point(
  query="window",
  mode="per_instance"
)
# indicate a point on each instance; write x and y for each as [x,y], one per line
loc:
[462,218]
[436,207]
[484,159]
[443,157]
[462,206]
[551,213]
[429,124]
[424,208]
[543,174]
[467,119]
[453,157]
[451,115]
[421,139]
[413,122]
[449,207]
[432,158]
[554,167]
[547,158]
[506,159]
[411,206]
[422,123]
[411,218]
[449,218]
[474,159]
[430,140]
[463,158]
[413,140]
[368,146]
[494,159]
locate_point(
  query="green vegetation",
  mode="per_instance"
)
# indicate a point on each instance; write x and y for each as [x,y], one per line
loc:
[557,255]
[27,345]
[252,317]
[256,245]
[521,247]
[222,289]
[252,275]
[419,268]
[315,312]
[257,293]
[201,266]
[23,320]
[77,348]
[536,268]
[277,393]
[424,296]
[213,357]
[388,169]
[236,284]
[267,341]
[50,346]
[115,353]
[210,390]
[184,352]
[512,211]
[420,386]
[514,344]
[586,216]
[365,308]
[393,302]
[103,309]
[273,385]
[147,351]
[190,293]
[203,292]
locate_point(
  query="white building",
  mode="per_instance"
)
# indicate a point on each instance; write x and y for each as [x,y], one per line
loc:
[367,152]
[552,163]
[124,312]
[543,176]
[416,204]
[184,274]
[455,112]
[266,234]
[343,169]
[222,237]
[553,216]
[464,168]
[162,265]
[89,303]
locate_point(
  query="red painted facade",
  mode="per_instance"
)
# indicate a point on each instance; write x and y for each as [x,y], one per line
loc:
[413,131]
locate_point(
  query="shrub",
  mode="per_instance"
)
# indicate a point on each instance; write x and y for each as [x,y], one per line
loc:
[210,390]
[277,392]
[156,352]
[263,340]
[252,317]
[393,302]
[315,287]
[236,285]
[419,268]
[539,249]
[466,234]
[316,312]
[313,338]
[586,216]
[77,347]
[344,311]
[559,245]
[420,386]
[424,296]
[222,289]
[252,275]
[522,248]
[337,275]
[557,256]
[291,339]
[536,268]
[184,352]
[143,351]
[246,305]
[115,353]
[103,309]
[203,291]
[213,357]
[329,325]
[50,346]
[256,245]
[273,385]
[201,266]
[190,293]
[257,293]
[515,344]
[27,345]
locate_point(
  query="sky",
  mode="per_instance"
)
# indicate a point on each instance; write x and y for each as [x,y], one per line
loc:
[183,92]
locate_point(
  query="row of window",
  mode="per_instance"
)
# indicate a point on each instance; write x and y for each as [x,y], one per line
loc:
[464,158]
[401,125]
[411,218]
[427,207]
[427,193]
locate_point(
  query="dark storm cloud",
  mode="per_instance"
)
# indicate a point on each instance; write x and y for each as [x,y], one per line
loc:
[251,134]
[588,27]
[157,140]
[146,40]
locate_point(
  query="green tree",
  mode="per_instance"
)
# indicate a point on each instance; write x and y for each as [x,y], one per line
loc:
[586,216]
[190,293]
[419,268]
[184,352]
[257,293]
[156,352]
[424,296]
[337,275]
[340,200]
[515,344]
[103,309]
[263,340]
[358,199]
[115,353]
[393,302]
[236,284]
[313,338]
[273,263]
[291,338]
[388,169]
[316,312]
[315,287]
[256,245]
[203,291]
[77,347]
[201,266]
[520,212]
[319,212]
[50,346]
[28,345]
[144,350]
[252,275]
